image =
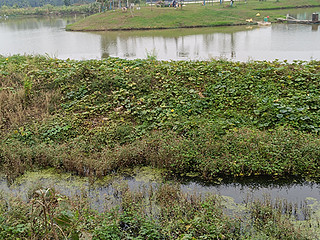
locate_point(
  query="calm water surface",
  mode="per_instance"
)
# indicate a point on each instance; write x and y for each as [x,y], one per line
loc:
[294,191]
[242,43]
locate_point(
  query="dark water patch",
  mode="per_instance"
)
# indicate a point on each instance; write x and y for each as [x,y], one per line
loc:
[288,196]
[292,189]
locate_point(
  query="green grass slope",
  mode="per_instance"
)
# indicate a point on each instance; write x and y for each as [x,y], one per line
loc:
[191,15]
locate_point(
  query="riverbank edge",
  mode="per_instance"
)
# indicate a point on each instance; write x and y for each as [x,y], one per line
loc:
[161,28]
[296,7]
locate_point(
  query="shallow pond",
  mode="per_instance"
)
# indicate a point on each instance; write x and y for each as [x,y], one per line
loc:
[237,199]
[241,43]
[102,193]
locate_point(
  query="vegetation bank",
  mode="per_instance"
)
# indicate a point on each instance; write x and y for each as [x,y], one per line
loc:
[190,15]
[200,118]
[196,118]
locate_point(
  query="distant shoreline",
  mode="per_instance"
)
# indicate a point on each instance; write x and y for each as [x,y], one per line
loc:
[306,6]
[164,28]
[188,16]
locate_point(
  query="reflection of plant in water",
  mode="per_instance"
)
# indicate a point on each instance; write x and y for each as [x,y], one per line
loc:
[151,212]
[280,218]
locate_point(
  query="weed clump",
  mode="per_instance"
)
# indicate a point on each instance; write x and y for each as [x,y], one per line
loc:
[157,212]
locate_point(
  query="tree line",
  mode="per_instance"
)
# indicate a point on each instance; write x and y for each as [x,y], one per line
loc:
[39,3]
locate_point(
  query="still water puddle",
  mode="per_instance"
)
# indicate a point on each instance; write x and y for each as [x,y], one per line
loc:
[300,199]
[104,193]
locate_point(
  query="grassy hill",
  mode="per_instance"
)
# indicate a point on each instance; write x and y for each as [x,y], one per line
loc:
[191,15]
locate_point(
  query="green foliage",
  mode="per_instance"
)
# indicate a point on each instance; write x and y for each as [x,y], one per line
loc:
[27,89]
[107,232]
[201,118]
[67,2]
[158,212]
[49,9]
[267,218]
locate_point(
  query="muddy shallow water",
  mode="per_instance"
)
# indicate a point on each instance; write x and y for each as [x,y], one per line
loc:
[103,193]
[298,198]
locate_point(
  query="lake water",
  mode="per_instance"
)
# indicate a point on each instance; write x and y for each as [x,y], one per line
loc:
[241,43]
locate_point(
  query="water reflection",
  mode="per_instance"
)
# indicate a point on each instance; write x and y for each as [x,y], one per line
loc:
[303,15]
[279,41]
[181,45]
[315,27]
[292,190]
[47,36]
[22,24]
[37,23]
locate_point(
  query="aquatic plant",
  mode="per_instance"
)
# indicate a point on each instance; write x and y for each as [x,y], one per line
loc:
[154,212]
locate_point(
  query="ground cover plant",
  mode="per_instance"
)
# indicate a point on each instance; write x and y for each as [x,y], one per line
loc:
[200,118]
